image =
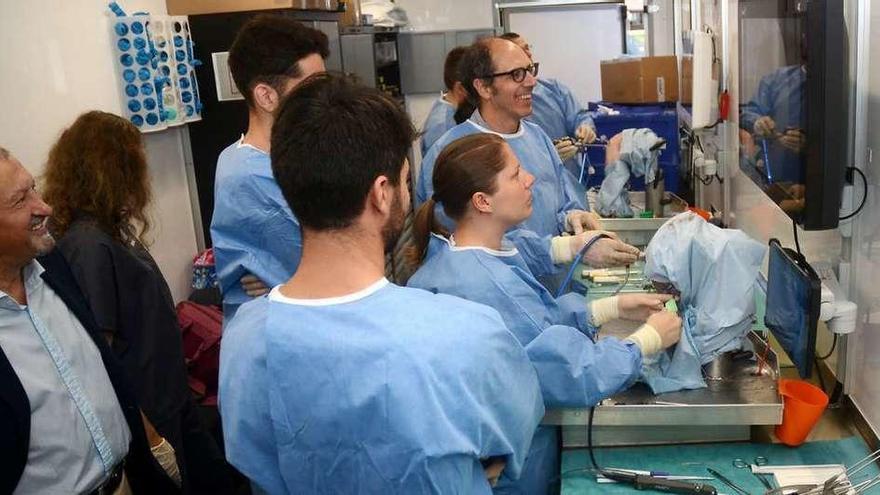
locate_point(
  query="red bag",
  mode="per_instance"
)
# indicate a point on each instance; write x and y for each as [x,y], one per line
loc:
[202,329]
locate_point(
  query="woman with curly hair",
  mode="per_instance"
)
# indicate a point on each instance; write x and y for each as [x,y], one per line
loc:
[97,182]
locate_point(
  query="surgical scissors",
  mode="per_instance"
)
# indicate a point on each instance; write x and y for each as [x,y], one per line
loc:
[760,460]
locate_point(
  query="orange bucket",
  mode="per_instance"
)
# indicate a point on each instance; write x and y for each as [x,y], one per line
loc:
[803,405]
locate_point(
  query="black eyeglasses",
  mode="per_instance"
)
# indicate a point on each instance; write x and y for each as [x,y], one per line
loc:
[519,73]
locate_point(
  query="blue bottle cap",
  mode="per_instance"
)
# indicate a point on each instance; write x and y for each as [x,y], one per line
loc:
[137,27]
[143,58]
[121,29]
[152,118]
[123,44]
[186,96]
[128,75]
[140,43]
[146,90]
[184,83]
[137,120]
[163,56]
[178,41]
[131,90]
[126,60]
[190,110]
[179,55]
[149,103]
[134,106]
[144,74]
[181,69]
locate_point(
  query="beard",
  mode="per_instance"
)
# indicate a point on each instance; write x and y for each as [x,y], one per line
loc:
[394,227]
[43,245]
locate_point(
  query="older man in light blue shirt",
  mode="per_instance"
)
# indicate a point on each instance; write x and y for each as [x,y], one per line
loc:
[78,431]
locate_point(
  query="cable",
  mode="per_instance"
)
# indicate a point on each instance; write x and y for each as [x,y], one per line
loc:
[797,243]
[577,261]
[625,281]
[833,345]
[819,374]
[864,196]
[590,440]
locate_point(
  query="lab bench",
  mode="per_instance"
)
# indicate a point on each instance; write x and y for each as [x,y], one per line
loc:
[735,399]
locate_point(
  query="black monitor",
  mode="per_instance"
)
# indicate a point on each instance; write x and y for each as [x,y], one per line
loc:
[793,298]
[794,72]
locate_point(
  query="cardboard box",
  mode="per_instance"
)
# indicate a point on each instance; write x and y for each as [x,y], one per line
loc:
[687,79]
[640,80]
[194,7]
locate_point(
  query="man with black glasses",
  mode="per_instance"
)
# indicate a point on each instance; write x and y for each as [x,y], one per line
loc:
[499,78]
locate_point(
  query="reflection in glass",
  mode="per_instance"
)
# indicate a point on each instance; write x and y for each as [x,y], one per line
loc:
[772,120]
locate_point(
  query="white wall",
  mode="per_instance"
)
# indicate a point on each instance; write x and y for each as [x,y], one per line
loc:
[569,43]
[864,350]
[55,61]
[438,15]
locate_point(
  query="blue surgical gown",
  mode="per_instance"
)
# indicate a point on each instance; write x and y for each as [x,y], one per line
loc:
[572,370]
[559,113]
[780,96]
[253,229]
[440,119]
[554,193]
[389,390]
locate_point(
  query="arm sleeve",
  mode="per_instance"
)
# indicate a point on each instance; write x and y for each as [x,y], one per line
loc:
[95,270]
[575,372]
[576,313]
[572,195]
[759,106]
[425,185]
[535,251]
[254,233]
[575,113]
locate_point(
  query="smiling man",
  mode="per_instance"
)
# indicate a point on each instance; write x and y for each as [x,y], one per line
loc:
[499,78]
[68,420]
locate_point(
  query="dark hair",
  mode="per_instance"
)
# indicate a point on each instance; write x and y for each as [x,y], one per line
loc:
[331,139]
[465,167]
[268,48]
[98,167]
[476,63]
[510,36]
[450,67]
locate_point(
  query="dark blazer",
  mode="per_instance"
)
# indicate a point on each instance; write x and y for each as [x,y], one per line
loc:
[145,475]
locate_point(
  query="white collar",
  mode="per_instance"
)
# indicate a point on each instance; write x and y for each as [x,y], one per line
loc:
[241,144]
[476,119]
[277,296]
[494,252]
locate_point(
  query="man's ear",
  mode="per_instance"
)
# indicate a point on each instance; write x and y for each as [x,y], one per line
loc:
[266,98]
[484,89]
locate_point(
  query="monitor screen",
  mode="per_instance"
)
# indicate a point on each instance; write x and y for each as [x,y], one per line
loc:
[792,86]
[793,298]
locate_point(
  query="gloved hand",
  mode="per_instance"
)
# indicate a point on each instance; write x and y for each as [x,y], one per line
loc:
[253,286]
[606,253]
[566,148]
[765,127]
[640,307]
[579,221]
[167,458]
[794,140]
[667,325]
[585,133]
[662,330]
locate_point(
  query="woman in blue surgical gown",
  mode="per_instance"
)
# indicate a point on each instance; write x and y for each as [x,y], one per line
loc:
[480,184]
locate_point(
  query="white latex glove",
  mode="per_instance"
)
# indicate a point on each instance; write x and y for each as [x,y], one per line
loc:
[566,149]
[662,330]
[167,458]
[585,133]
[580,221]
[765,127]
[253,286]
